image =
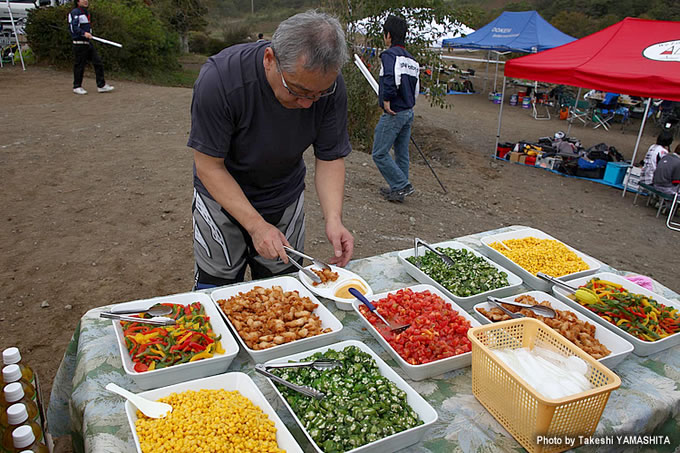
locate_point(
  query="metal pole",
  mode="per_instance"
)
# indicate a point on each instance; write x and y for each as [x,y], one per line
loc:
[495,76]
[16,36]
[252,6]
[486,74]
[637,143]
[500,115]
[571,119]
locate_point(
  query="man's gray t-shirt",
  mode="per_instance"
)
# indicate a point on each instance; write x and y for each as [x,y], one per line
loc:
[235,116]
[667,171]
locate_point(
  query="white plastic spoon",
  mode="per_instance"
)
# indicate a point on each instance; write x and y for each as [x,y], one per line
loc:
[151,409]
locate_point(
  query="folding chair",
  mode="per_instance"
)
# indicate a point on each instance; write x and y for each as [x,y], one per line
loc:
[535,113]
[671,212]
[577,110]
[605,111]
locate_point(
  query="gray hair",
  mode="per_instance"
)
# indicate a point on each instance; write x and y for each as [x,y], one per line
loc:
[316,37]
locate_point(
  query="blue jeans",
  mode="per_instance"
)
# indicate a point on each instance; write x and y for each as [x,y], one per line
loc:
[393,130]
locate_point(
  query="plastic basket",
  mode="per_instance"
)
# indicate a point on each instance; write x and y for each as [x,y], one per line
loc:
[521,410]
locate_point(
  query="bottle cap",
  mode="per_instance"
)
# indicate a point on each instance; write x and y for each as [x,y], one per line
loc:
[11,355]
[13,392]
[11,373]
[17,414]
[23,436]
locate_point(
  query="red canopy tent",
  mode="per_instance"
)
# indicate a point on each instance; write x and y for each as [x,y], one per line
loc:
[638,57]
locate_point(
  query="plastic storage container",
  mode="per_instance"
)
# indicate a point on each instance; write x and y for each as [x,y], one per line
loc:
[521,410]
[615,172]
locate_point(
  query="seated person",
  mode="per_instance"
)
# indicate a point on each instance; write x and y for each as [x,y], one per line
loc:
[655,153]
[667,174]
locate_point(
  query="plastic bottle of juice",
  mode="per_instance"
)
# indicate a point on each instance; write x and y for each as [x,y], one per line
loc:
[18,416]
[14,393]
[11,356]
[24,440]
[12,373]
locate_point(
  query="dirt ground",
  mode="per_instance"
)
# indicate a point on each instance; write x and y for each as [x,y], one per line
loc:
[97,194]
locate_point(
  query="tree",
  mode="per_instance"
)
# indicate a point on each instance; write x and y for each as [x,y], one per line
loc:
[363,114]
[181,16]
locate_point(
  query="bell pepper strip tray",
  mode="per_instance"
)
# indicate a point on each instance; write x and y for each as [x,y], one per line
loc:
[637,314]
[437,331]
[189,340]
[361,405]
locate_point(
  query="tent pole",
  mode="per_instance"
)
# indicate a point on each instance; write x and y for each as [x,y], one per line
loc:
[486,74]
[571,119]
[16,36]
[500,114]
[495,76]
[637,142]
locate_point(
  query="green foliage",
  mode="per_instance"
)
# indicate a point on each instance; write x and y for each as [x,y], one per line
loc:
[147,45]
[362,102]
[181,16]
[204,44]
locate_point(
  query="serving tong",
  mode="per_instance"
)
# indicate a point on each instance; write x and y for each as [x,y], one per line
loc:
[157,321]
[445,258]
[585,295]
[303,389]
[540,310]
[317,263]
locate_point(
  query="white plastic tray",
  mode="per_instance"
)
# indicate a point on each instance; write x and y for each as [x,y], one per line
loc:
[619,347]
[466,302]
[327,290]
[227,381]
[642,348]
[426,370]
[531,279]
[287,284]
[218,363]
[391,443]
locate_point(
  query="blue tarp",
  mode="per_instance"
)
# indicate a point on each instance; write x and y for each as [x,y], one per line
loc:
[524,31]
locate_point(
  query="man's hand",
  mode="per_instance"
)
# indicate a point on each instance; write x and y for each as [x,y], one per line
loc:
[269,241]
[342,241]
[88,35]
[386,106]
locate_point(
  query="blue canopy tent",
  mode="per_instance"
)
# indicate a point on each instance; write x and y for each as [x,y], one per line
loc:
[524,31]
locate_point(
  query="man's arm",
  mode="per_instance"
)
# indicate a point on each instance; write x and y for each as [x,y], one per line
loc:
[389,85]
[267,239]
[329,180]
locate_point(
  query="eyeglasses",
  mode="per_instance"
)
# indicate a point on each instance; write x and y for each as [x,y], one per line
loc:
[314,97]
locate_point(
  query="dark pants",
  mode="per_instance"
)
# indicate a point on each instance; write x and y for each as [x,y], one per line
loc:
[84,53]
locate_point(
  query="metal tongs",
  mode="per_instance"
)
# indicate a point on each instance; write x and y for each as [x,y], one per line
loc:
[317,263]
[540,310]
[446,259]
[157,321]
[303,389]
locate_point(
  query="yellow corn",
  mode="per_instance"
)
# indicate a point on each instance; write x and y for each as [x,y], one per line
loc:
[208,421]
[541,255]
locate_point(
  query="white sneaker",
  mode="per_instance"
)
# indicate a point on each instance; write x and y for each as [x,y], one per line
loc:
[105,89]
[79,90]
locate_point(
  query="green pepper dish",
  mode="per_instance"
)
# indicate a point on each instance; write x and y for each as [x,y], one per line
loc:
[361,406]
[471,274]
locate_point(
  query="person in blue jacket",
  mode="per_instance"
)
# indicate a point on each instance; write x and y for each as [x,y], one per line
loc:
[399,86]
[79,25]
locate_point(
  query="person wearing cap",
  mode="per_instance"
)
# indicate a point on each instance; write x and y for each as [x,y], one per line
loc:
[256,108]
[398,89]
[80,26]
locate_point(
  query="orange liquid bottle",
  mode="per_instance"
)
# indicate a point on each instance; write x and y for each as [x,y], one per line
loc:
[24,440]
[14,393]
[12,373]
[11,356]
[18,416]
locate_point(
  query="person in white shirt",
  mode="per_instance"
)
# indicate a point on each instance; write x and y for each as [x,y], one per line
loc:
[655,153]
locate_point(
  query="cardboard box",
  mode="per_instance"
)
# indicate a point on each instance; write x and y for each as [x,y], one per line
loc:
[514,156]
[632,178]
[522,159]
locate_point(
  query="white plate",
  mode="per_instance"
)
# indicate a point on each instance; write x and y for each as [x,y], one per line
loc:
[228,381]
[218,363]
[531,279]
[287,284]
[328,289]
[642,348]
[466,302]
[391,443]
[619,347]
[426,370]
